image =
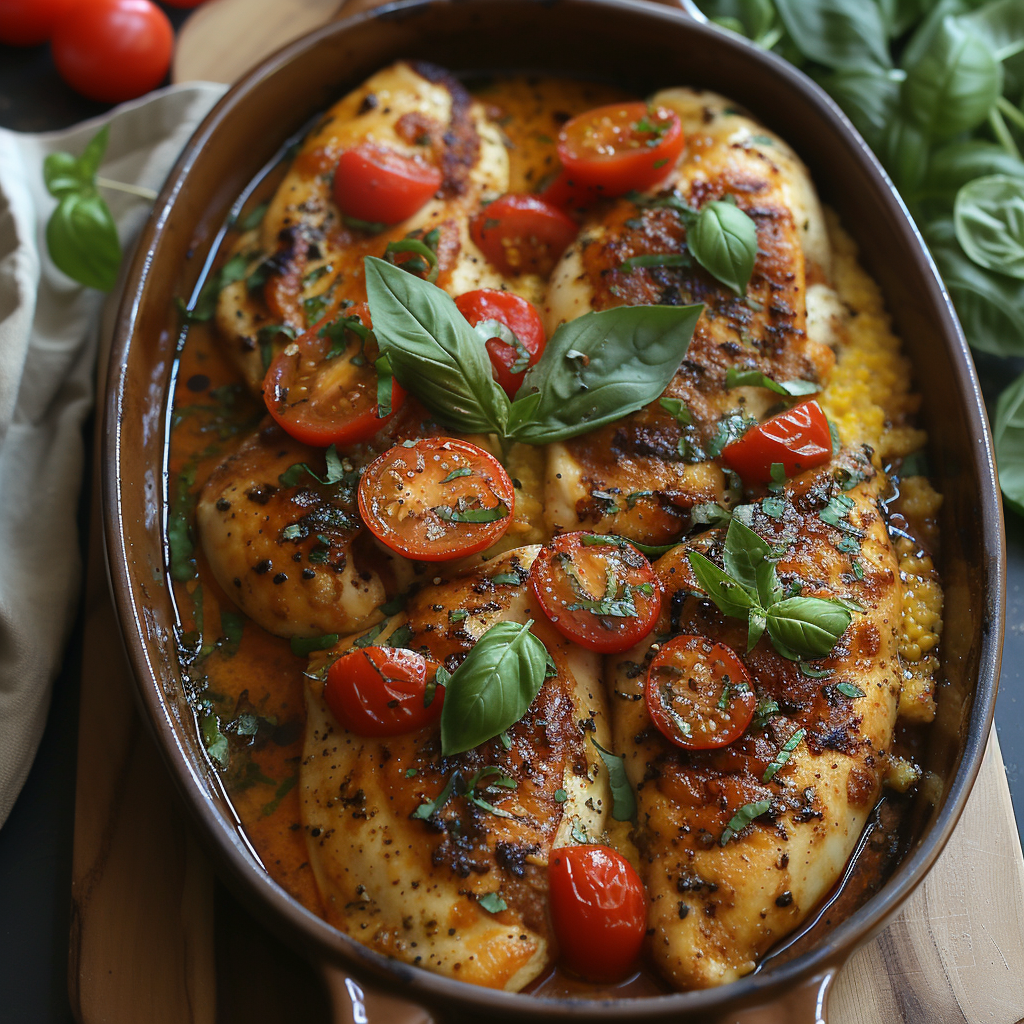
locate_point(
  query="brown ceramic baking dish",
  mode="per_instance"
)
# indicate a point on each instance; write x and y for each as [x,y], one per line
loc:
[641,47]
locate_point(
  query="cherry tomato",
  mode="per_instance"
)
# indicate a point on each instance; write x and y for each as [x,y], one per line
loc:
[510,362]
[322,398]
[113,50]
[698,693]
[29,22]
[436,498]
[567,193]
[376,184]
[798,438]
[522,234]
[184,3]
[383,691]
[621,147]
[598,909]
[603,595]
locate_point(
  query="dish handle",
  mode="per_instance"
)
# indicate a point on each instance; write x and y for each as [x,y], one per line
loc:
[354,1002]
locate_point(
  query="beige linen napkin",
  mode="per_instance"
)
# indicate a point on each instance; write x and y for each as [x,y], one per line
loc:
[48,331]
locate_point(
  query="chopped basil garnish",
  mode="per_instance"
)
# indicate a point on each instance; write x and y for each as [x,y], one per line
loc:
[737,378]
[303,646]
[335,471]
[742,818]
[623,798]
[428,264]
[783,755]
[676,408]
[492,903]
[471,515]
[455,474]
[849,690]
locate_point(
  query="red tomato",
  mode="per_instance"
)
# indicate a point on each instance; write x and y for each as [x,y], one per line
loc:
[184,3]
[521,318]
[437,498]
[698,693]
[598,909]
[621,147]
[603,595]
[567,193]
[113,50]
[798,438]
[323,399]
[383,691]
[376,184]
[28,22]
[522,234]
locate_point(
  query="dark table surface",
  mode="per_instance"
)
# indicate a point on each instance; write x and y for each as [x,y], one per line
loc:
[36,841]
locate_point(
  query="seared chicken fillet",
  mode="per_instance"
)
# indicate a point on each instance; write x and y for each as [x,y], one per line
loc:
[718,903]
[412,888]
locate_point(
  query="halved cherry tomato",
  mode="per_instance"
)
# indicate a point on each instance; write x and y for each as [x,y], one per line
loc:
[565,192]
[598,909]
[601,594]
[522,234]
[798,438]
[698,693]
[509,362]
[323,388]
[621,147]
[383,691]
[376,184]
[436,498]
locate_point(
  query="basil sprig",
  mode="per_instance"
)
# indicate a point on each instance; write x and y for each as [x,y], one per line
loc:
[737,378]
[723,240]
[493,687]
[749,588]
[623,797]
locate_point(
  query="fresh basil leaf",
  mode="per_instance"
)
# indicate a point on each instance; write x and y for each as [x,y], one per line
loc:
[493,687]
[206,304]
[623,797]
[742,818]
[491,329]
[727,594]
[809,626]
[954,84]
[869,98]
[600,367]
[232,625]
[368,639]
[709,514]
[431,807]
[371,227]
[1009,442]
[303,646]
[813,673]
[215,742]
[837,33]
[62,174]
[492,902]
[723,240]
[784,755]
[850,690]
[751,18]
[1000,25]
[745,552]
[400,637]
[413,245]
[989,219]
[926,30]
[954,165]
[472,515]
[676,408]
[905,153]
[737,378]
[456,473]
[433,351]
[81,238]
[385,381]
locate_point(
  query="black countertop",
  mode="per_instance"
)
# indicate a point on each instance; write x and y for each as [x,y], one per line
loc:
[36,841]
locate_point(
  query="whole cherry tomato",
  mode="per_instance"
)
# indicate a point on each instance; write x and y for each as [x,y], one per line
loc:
[698,693]
[798,439]
[602,595]
[522,234]
[598,909]
[379,185]
[184,3]
[436,499]
[383,691]
[509,360]
[113,50]
[620,147]
[29,22]
[323,388]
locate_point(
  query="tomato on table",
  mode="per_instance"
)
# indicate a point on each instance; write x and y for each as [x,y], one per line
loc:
[323,388]
[698,693]
[113,50]
[436,499]
[598,909]
[798,439]
[620,147]
[522,234]
[510,358]
[30,22]
[375,184]
[383,691]
[602,594]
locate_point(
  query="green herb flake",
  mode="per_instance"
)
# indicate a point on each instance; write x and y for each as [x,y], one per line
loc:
[783,756]
[492,902]
[742,818]
[303,646]
[850,690]
[561,796]
[623,797]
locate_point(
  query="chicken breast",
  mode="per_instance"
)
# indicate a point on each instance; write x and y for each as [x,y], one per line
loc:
[462,891]
[310,260]
[717,902]
[640,476]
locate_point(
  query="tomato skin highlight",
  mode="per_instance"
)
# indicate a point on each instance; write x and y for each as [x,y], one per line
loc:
[318,403]
[522,234]
[598,910]
[381,691]
[520,317]
[376,184]
[113,50]
[412,497]
[30,22]
[798,438]
[569,570]
[686,690]
[620,147]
